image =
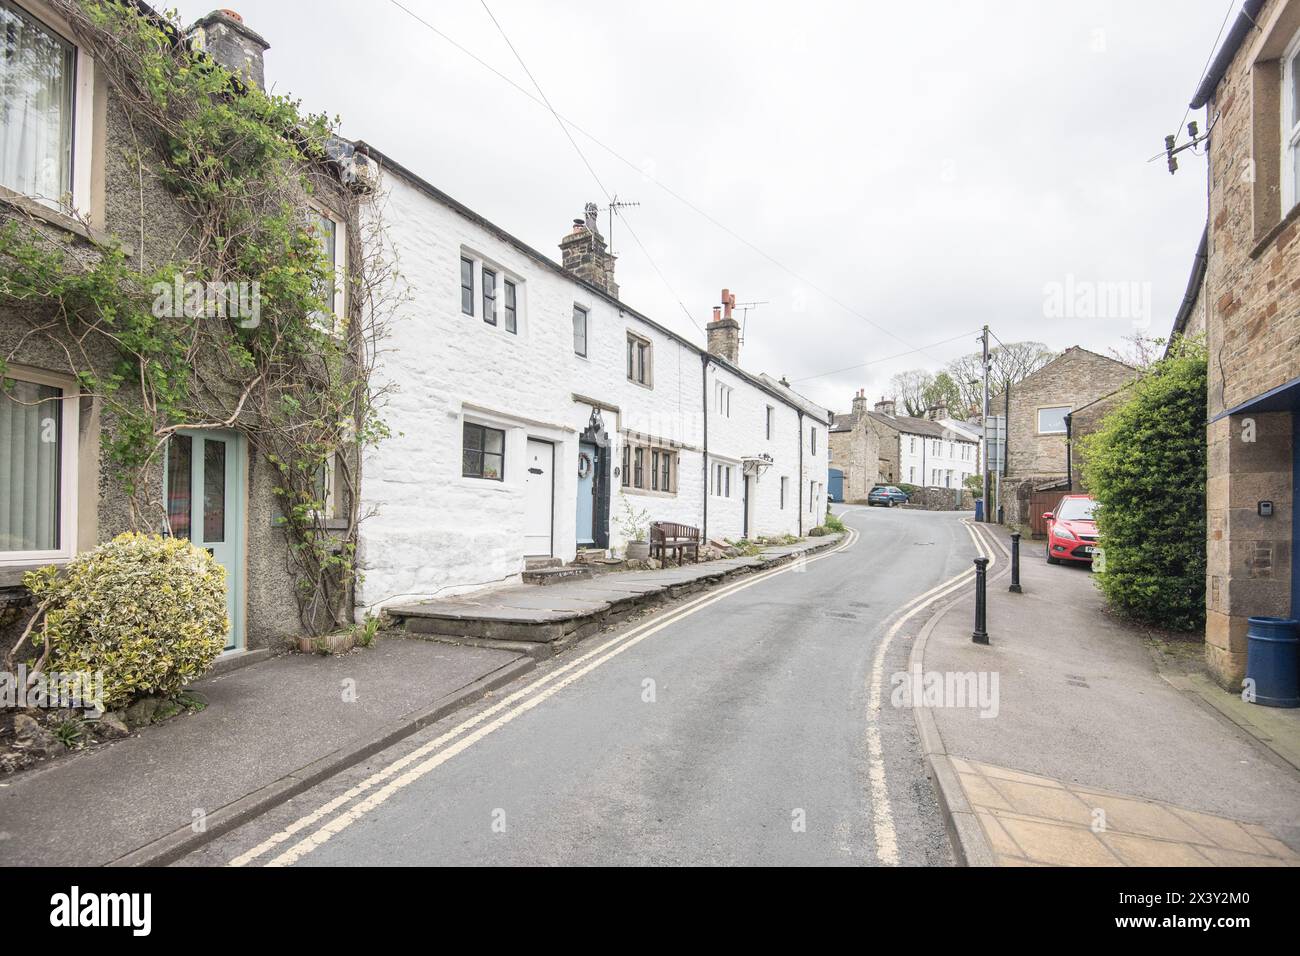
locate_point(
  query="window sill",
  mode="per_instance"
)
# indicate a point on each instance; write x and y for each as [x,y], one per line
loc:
[648,492]
[486,484]
[11,576]
[60,220]
[1267,240]
[648,386]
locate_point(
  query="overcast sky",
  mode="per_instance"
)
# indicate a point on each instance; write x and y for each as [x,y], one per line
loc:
[926,167]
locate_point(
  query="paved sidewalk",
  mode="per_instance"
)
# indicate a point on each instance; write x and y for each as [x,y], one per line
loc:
[570,610]
[270,730]
[1092,757]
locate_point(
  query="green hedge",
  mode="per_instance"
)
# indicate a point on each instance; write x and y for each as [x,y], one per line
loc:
[1145,465]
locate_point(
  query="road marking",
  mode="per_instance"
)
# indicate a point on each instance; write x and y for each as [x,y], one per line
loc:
[881,812]
[573,671]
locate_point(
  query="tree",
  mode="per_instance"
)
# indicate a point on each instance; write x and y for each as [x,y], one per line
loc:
[1145,465]
[908,389]
[1138,350]
[1008,364]
[942,390]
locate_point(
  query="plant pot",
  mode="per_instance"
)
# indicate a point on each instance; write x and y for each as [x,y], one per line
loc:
[637,550]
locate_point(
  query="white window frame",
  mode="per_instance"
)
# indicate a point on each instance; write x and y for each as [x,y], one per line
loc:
[1290,131]
[646,368]
[586,329]
[722,398]
[330,500]
[68,477]
[83,111]
[1038,418]
[340,272]
[721,475]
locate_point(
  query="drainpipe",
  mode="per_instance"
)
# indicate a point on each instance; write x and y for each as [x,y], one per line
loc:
[800,478]
[1069,434]
[704,391]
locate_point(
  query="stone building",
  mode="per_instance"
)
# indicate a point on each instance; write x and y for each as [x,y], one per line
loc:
[856,450]
[69,496]
[1252,307]
[533,410]
[1037,409]
[875,445]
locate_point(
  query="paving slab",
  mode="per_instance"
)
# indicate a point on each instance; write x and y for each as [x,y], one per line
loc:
[1089,756]
[263,725]
[530,612]
[1029,819]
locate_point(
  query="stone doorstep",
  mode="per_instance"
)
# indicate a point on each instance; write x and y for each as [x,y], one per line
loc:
[518,617]
[554,575]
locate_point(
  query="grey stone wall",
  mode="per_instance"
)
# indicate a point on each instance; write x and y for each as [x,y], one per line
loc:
[942,499]
[153,226]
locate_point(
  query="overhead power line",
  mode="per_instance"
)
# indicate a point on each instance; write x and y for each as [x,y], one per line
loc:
[1232,5]
[609,197]
[668,189]
[887,358]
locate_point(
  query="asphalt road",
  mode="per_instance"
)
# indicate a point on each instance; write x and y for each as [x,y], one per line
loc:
[740,733]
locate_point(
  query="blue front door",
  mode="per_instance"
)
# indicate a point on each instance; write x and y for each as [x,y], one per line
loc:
[203,482]
[586,493]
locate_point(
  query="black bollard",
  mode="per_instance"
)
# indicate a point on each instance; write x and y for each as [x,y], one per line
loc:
[1015,563]
[980,635]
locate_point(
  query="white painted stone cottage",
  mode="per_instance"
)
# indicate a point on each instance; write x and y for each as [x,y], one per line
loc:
[531,404]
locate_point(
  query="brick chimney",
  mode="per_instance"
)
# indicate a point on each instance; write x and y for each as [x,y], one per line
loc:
[724,330]
[886,407]
[224,37]
[936,412]
[859,404]
[583,252]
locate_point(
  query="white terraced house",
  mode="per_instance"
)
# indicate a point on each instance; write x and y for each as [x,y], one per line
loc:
[937,452]
[532,406]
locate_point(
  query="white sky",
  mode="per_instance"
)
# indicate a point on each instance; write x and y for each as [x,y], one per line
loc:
[930,165]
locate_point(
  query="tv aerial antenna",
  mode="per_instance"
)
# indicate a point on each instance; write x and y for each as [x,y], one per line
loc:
[615,204]
[744,308]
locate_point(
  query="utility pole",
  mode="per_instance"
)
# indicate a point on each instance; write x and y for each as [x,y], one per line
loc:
[987,502]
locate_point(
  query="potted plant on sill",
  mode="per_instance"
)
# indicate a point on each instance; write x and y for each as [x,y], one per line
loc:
[635,526]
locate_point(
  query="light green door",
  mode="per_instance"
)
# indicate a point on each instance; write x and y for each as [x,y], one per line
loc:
[203,482]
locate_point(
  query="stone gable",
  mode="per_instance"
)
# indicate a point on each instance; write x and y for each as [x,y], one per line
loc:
[1075,378]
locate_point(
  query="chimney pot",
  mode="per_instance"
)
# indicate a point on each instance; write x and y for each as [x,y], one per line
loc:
[724,331]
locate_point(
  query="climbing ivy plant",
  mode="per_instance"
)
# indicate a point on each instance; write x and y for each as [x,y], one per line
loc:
[243,169]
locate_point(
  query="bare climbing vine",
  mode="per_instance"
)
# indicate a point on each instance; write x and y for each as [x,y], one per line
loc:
[245,168]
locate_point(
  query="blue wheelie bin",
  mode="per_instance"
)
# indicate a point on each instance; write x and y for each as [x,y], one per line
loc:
[1273,660]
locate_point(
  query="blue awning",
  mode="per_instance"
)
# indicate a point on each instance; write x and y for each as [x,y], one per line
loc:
[1284,398]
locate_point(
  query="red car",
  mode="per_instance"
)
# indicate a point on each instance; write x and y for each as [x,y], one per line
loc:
[1071,530]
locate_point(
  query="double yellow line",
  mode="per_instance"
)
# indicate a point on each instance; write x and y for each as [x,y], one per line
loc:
[401,773]
[882,815]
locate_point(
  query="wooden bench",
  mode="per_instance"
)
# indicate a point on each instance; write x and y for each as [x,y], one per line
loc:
[668,536]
